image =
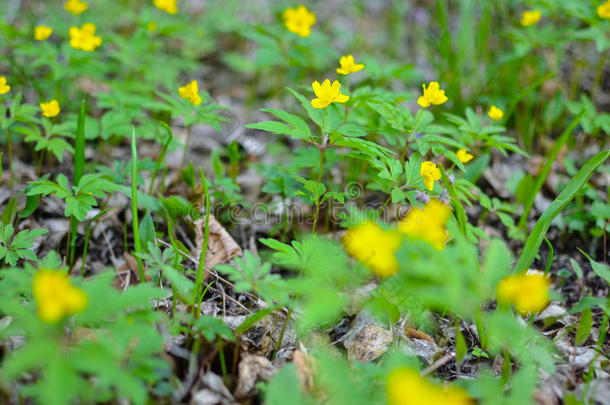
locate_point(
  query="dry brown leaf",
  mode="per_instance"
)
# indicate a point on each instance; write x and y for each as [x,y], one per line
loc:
[305,368]
[221,246]
[251,370]
[370,343]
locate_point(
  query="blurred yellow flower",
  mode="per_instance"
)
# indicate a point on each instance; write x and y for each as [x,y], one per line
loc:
[529,18]
[432,95]
[495,113]
[75,6]
[4,87]
[464,156]
[84,38]
[55,296]
[405,386]
[50,109]
[299,20]
[427,223]
[190,92]
[327,93]
[151,26]
[42,32]
[430,173]
[374,247]
[603,10]
[169,6]
[348,65]
[527,292]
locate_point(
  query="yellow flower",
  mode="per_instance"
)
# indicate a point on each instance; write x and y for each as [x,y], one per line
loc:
[464,156]
[427,223]
[529,18]
[327,93]
[152,26]
[527,292]
[42,32]
[405,386]
[84,38]
[50,109]
[430,173]
[432,95]
[55,296]
[374,247]
[299,20]
[190,92]
[495,113]
[4,87]
[75,6]
[348,66]
[603,10]
[169,6]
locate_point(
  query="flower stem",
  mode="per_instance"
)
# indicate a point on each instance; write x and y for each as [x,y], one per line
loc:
[320,170]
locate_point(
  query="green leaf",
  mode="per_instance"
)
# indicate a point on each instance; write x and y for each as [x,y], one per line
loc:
[584,327]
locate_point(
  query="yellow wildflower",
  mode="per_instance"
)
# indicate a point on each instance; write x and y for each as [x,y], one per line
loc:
[299,20]
[55,296]
[427,223]
[405,386]
[374,247]
[42,32]
[4,87]
[327,93]
[432,95]
[495,113]
[527,292]
[190,92]
[529,18]
[75,6]
[430,173]
[603,10]
[464,156]
[50,109]
[348,65]
[169,6]
[84,38]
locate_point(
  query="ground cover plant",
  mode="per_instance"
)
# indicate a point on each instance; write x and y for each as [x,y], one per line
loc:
[334,202]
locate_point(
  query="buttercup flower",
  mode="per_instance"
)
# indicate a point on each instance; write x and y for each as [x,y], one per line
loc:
[495,113]
[190,92]
[55,296]
[527,292]
[169,6]
[430,173]
[75,6]
[84,38]
[4,87]
[405,386]
[529,18]
[42,32]
[432,95]
[299,20]
[603,10]
[50,109]
[464,156]
[427,223]
[348,66]
[374,247]
[327,93]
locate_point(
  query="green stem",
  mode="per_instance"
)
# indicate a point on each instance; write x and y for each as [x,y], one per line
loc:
[204,248]
[134,204]
[320,170]
[10,160]
[186,145]
[161,157]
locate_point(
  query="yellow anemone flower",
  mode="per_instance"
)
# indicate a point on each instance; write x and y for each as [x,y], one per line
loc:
[495,113]
[348,65]
[405,386]
[427,223]
[464,156]
[55,296]
[299,20]
[529,18]
[4,87]
[75,6]
[603,10]
[432,95]
[527,292]
[374,247]
[42,32]
[169,6]
[430,173]
[50,109]
[190,92]
[327,93]
[84,38]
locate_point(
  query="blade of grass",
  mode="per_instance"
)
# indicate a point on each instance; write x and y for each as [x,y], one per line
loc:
[544,222]
[79,170]
[134,204]
[170,136]
[545,172]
